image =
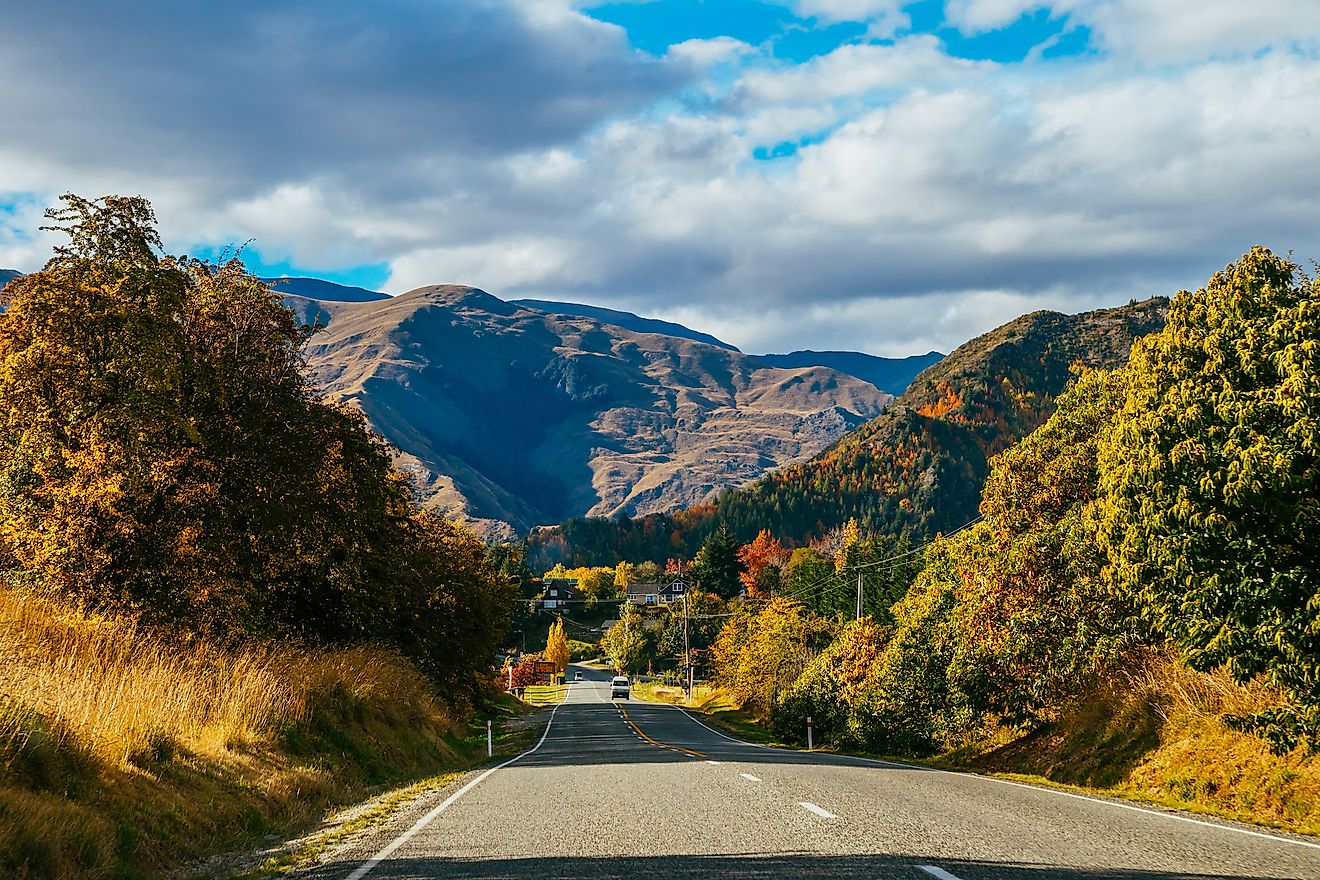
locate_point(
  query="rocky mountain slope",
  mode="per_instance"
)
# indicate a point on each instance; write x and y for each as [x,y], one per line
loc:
[512,417]
[890,375]
[917,468]
[316,288]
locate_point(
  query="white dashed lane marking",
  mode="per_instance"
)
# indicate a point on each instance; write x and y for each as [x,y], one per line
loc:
[819,811]
[936,872]
[749,777]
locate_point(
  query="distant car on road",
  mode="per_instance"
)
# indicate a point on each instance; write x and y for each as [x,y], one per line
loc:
[619,687]
[577,676]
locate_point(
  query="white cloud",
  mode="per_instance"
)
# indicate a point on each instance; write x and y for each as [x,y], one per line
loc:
[1162,31]
[885,17]
[535,154]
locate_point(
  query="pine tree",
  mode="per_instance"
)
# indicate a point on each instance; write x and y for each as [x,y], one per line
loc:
[717,567]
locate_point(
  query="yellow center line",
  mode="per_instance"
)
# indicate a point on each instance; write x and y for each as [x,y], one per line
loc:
[643,735]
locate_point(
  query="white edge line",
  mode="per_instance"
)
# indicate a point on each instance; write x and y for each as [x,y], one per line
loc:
[936,872]
[1277,838]
[1138,809]
[368,866]
[819,811]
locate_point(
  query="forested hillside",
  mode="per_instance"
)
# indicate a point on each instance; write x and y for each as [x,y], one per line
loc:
[1136,607]
[914,470]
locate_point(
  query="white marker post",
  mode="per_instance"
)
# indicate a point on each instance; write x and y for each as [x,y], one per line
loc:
[810,743]
[490,744]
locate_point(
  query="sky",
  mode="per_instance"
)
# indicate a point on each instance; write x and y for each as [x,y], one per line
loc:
[873,175]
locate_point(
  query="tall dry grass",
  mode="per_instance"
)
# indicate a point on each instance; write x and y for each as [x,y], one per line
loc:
[117,692]
[124,753]
[1174,690]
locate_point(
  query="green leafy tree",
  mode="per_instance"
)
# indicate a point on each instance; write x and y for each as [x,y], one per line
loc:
[647,573]
[1035,621]
[717,566]
[705,613]
[810,577]
[1211,478]
[628,644]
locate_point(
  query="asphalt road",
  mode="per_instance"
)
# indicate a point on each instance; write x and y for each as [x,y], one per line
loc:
[639,790]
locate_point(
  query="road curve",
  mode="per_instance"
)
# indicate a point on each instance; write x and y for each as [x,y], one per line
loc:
[639,790]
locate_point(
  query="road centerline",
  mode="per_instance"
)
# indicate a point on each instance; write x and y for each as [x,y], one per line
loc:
[642,734]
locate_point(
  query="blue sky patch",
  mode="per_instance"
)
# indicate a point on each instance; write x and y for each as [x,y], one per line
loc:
[368,275]
[655,26]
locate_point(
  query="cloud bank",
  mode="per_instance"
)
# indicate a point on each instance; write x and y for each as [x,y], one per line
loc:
[885,194]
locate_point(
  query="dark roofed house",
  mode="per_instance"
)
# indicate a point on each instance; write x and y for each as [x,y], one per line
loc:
[560,593]
[656,594]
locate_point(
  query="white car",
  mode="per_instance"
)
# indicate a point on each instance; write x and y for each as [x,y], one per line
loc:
[619,687]
[577,676]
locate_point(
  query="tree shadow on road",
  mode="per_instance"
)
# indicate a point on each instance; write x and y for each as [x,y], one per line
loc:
[750,866]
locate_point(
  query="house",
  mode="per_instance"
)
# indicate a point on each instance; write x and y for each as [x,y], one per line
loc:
[560,593]
[656,594]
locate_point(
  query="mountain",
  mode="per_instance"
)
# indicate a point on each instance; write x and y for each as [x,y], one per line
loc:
[626,320]
[8,275]
[509,416]
[917,468]
[327,291]
[920,465]
[892,375]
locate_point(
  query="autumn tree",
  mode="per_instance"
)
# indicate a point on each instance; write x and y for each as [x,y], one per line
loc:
[763,562]
[759,654]
[556,645]
[162,452]
[1211,478]
[625,573]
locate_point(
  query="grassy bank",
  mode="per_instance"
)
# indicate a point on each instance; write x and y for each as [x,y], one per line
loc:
[1156,736]
[124,755]
[1159,735]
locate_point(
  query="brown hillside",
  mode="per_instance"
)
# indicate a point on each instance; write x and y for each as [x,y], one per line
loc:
[511,417]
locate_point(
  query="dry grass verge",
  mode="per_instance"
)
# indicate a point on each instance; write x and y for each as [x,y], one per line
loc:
[123,754]
[1157,734]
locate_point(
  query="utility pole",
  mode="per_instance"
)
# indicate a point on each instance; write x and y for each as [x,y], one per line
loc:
[687,644]
[859,594]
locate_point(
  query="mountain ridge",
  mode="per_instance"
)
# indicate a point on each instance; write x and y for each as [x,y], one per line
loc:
[511,417]
[914,470]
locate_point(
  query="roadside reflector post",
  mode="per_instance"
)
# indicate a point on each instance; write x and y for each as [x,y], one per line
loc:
[810,739]
[490,743]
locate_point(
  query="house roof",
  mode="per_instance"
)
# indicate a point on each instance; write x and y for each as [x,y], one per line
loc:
[665,588]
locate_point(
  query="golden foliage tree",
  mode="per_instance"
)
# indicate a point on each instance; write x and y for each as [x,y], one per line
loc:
[163,452]
[556,646]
